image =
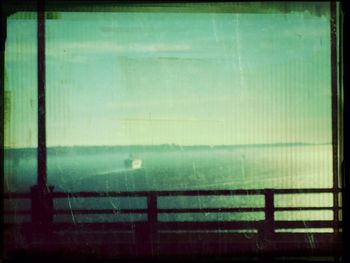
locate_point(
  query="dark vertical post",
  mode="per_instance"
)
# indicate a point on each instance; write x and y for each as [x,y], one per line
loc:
[152,209]
[269,213]
[334,81]
[152,219]
[42,203]
[266,230]
[146,231]
[3,32]
[42,177]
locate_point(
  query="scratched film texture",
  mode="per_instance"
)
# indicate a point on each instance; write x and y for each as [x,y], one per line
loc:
[206,100]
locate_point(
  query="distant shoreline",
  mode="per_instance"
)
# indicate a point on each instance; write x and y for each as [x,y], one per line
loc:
[165,147]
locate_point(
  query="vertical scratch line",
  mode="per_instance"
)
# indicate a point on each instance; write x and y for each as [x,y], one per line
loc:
[71,210]
[238,48]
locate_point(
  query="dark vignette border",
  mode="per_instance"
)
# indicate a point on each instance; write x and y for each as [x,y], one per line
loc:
[9,7]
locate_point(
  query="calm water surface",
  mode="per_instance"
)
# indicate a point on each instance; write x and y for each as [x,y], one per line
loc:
[181,169]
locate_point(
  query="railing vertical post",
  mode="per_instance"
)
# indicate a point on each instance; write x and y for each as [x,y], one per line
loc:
[42,205]
[42,158]
[268,228]
[152,216]
[335,115]
[42,210]
[146,231]
[41,194]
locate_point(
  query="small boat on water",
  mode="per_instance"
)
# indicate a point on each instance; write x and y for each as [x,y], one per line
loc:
[133,163]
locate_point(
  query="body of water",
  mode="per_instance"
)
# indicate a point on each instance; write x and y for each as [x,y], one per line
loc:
[180,168]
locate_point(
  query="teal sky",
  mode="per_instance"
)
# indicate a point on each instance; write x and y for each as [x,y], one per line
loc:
[184,78]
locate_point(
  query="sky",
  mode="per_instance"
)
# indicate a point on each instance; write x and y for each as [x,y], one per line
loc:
[120,78]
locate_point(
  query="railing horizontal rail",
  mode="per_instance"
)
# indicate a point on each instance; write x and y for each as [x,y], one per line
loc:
[214,225]
[99,194]
[101,211]
[303,208]
[160,210]
[17,212]
[192,192]
[210,210]
[16,195]
[226,225]
[192,225]
[305,190]
[211,225]
[168,210]
[63,226]
[303,224]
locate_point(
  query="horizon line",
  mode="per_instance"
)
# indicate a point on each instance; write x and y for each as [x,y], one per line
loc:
[172,144]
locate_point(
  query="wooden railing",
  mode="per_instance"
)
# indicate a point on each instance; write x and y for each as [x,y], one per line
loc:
[146,231]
